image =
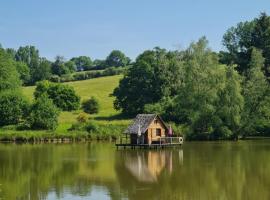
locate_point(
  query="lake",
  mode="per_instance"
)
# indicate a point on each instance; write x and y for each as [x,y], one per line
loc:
[197,170]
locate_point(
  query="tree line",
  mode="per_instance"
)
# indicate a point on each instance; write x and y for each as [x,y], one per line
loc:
[33,68]
[211,95]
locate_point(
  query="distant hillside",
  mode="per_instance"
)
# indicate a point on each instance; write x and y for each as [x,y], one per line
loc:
[101,88]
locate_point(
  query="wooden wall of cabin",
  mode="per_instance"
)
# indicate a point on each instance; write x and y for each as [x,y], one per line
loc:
[153,133]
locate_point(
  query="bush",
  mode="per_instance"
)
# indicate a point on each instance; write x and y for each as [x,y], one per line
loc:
[55,78]
[44,114]
[63,96]
[66,78]
[91,127]
[13,107]
[91,106]
[82,117]
[79,76]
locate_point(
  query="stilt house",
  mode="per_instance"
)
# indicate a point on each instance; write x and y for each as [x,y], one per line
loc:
[147,129]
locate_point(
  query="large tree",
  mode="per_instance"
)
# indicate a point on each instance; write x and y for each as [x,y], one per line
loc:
[240,40]
[30,56]
[256,92]
[43,72]
[9,77]
[117,59]
[82,62]
[60,67]
[153,76]
[209,100]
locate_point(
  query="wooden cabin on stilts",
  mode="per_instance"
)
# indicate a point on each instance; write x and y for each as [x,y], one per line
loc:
[149,131]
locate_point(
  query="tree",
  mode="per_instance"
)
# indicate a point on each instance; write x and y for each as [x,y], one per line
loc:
[11,52]
[91,106]
[241,39]
[9,77]
[44,114]
[63,96]
[42,72]
[99,64]
[30,56]
[230,106]
[23,71]
[117,59]
[82,63]
[209,99]
[256,95]
[71,66]
[60,67]
[154,75]
[13,107]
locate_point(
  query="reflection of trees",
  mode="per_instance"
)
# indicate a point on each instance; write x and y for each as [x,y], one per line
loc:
[210,171]
[230,170]
[32,171]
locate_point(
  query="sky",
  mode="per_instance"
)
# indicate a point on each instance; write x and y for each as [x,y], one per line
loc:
[96,27]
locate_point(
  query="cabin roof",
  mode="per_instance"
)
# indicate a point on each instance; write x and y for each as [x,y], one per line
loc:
[144,120]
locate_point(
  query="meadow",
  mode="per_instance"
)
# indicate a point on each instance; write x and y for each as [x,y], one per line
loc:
[109,120]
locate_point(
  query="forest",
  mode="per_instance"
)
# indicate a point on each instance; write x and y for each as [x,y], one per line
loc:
[208,95]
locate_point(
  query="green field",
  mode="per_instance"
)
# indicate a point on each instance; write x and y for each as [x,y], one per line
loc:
[102,89]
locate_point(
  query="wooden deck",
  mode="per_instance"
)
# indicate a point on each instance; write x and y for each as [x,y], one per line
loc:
[161,143]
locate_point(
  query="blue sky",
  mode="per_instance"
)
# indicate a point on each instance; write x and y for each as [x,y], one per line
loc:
[95,27]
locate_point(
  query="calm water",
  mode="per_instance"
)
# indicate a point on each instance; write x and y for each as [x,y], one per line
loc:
[208,170]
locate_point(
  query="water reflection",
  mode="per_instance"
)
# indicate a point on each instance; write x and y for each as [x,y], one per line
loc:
[146,166]
[204,171]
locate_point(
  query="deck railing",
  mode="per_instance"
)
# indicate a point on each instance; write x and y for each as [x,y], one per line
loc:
[161,140]
[171,140]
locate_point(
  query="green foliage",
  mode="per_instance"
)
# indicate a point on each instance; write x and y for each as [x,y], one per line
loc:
[13,107]
[82,117]
[154,75]
[30,56]
[91,127]
[91,106]
[44,114]
[60,67]
[209,99]
[83,62]
[63,96]
[9,77]
[240,40]
[42,72]
[256,94]
[23,71]
[117,59]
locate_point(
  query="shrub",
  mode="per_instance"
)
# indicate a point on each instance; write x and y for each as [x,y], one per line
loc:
[91,106]
[44,114]
[63,96]
[55,78]
[82,117]
[91,127]
[13,107]
[66,78]
[79,76]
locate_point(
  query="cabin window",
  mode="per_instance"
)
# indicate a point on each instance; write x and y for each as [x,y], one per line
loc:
[158,132]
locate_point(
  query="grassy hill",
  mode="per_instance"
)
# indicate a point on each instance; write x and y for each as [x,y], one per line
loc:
[101,88]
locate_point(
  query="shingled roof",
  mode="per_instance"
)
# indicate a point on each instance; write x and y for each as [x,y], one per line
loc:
[144,120]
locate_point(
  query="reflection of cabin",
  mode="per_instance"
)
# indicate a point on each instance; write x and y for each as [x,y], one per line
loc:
[151,126]
[149,130]
[147,166]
